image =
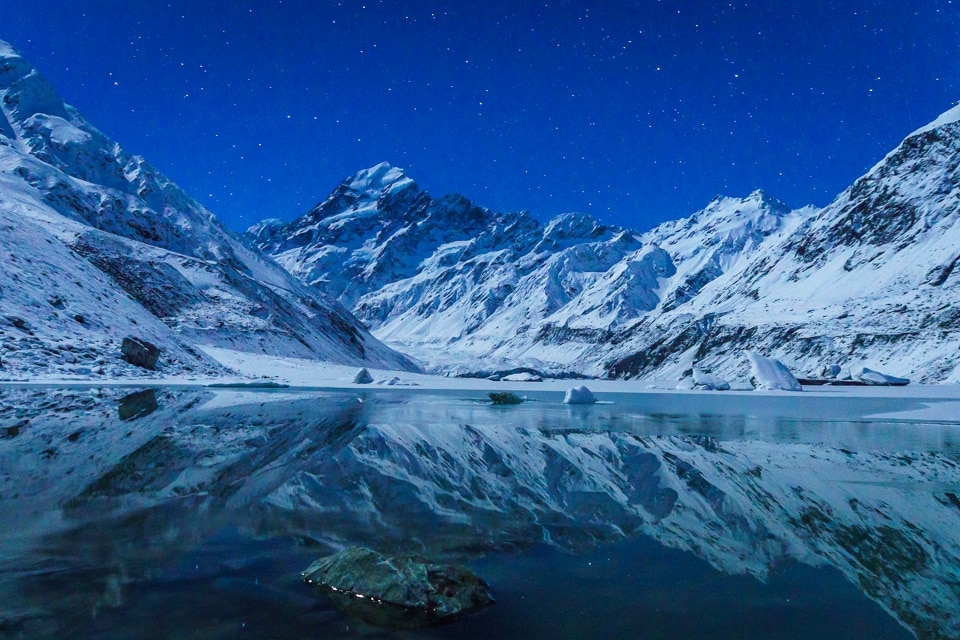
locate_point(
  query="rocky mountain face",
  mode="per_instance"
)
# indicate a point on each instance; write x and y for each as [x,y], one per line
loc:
[98,245]
[867,281]
[470,290]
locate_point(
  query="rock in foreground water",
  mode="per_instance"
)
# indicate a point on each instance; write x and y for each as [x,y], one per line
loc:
[397,591]
[505,397]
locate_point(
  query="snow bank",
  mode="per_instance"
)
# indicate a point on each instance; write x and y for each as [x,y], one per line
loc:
[523,376]
[579,395]
[771,374]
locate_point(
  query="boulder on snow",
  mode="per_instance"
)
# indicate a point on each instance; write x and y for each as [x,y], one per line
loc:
[363,377]
[579,395]
[140,352]
[768,373]
[830,371]
[705,380]
[396,591]
[871,377]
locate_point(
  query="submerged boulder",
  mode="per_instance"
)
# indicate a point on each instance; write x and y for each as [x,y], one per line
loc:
[505,397]
[397,591]
[579,395]
[140,352]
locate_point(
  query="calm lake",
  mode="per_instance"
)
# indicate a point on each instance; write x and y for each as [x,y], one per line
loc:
[185,513]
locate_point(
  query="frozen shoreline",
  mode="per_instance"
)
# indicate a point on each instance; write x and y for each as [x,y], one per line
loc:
[257,372]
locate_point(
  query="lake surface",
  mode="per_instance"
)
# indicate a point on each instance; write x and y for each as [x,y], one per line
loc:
[177,513]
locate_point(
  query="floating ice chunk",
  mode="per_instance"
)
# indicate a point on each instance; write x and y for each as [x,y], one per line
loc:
[771,374]
[704,380]
[579,395]
[363,377]
[869,376]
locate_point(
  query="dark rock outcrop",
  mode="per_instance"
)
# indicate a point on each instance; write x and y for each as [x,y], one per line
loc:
[140,352]
[397,591]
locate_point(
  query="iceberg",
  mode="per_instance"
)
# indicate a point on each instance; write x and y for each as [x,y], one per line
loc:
[771,374]
[871,377]
[363,377]
[579,395]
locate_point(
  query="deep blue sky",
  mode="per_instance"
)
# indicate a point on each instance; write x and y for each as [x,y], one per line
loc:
[634,111]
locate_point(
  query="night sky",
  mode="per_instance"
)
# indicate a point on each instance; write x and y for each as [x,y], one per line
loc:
[634,111]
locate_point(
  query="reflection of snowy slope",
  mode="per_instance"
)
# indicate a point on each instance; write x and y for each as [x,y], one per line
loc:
[887,521]
[463,479]
[166,269]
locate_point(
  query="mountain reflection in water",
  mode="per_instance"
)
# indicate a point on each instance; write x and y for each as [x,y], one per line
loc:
[201,507]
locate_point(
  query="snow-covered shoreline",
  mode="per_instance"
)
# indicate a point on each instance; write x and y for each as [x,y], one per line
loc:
[263,372]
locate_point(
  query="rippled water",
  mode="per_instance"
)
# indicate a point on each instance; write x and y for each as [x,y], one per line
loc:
[189,514]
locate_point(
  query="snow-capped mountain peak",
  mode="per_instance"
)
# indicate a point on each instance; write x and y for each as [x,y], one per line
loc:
[378,179]
[947,117]
[443,277]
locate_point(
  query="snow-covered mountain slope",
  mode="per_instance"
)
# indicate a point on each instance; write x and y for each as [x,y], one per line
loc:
[470,290]
[94,232]
[869,280]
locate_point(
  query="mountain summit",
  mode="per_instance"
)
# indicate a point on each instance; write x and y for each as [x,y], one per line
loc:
[470,290]
[101,246]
